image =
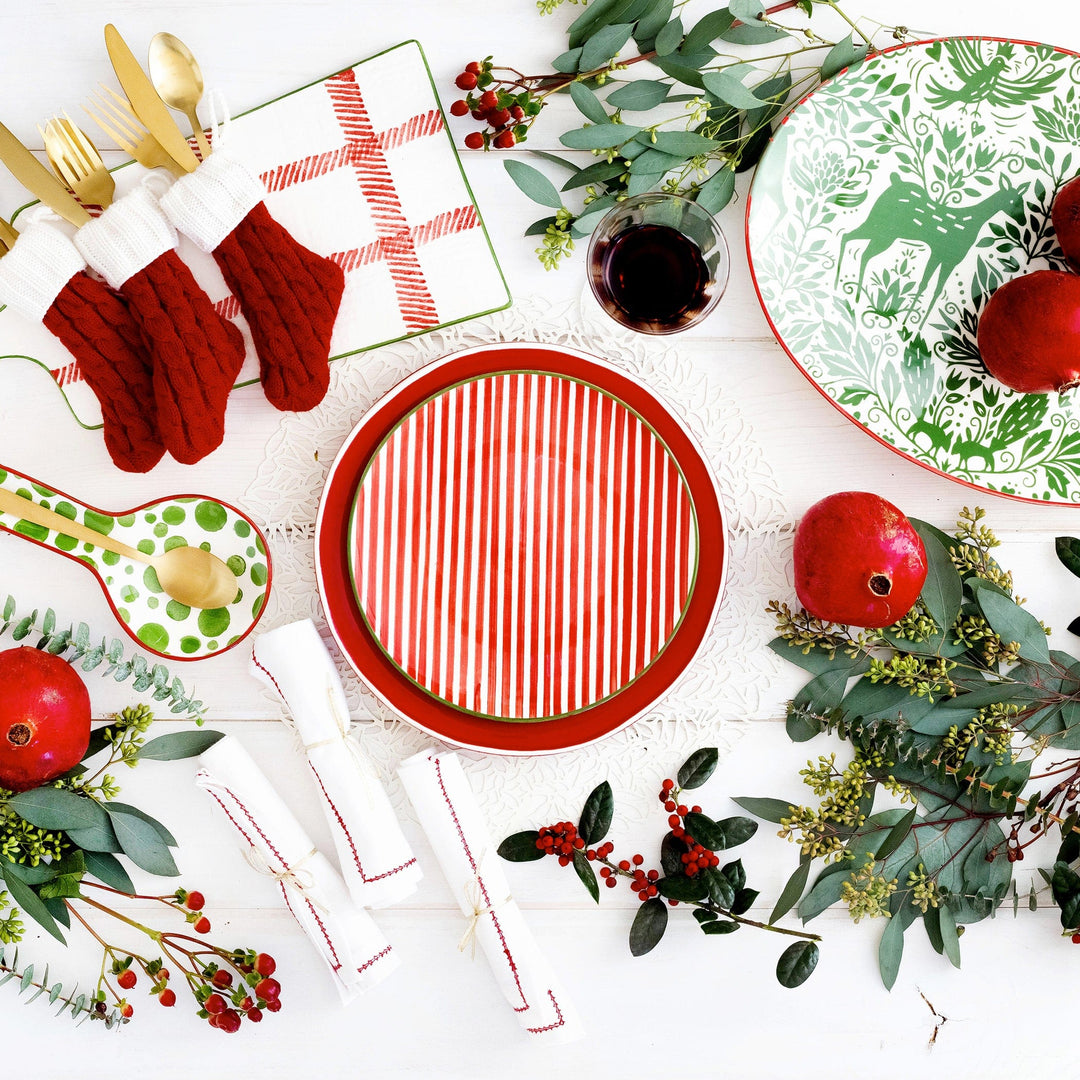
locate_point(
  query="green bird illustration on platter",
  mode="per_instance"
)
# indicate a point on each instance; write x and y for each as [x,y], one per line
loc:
[992,81]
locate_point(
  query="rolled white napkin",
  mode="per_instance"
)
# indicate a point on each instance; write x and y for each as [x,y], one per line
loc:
[450,816]
[376,861]
[275,844]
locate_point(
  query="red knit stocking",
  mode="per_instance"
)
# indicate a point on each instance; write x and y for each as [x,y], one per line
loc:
[197,355]
[290,298]
[97,329]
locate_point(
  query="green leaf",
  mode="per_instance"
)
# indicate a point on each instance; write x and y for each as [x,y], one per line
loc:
[585,224]
[890,952]
[97,837]
[720,926]
[766,809]
[706,831]
[716,192]
[682,888]
[596,814]
[753,33]
[599,136]
[1065,885]
[843,54]
[792,891]
[897,835]
[29,902]
[669,37]
[728,88]
[55,809]
[744,900]
[707,29]
[1068,550]
[585,872]
[943,591]
[597,15]
[521,847]
[1012,623]
[932,925]
[595,174]
[588,104]
[704,915]
[166,836]
[698,767]
[950,940]
[735,872]
[797,963]
[186,744]
[680,144]
[648,926]
[672,850]
[679,69]
[567,63]
[652,22]
[640,95]
[141,843]
[603,45]
[108,870]
[539,227]
[721,890]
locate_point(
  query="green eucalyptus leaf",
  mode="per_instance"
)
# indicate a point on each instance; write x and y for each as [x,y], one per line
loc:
[730,90]
[108,870]
[824,692]
[141,843]
[753,33]
[585,872]
[595,174]
[599,136]
[643,182]
[890,952]
[669,37]
[640,95]
[178,745]
[652,22]
[539,227]
[596,814]
[588,104]
[521,847]
[708,28]
[825,892]
[717,191]
[167,837]
[595,213]
[654,163]
[596,16]
[932,925]
[792,891]
[767,809]
[568,62]
[1068,550]
[897,835]
[533,183]
[680,70]
[950,940]
[29,902]
[746,10]
[698,767]
[604,45]
[943,591]
[56,809]
[648,926]
[797,963]
[1012,623]
[842,55]
[815,661]
[97,837]
[680,144]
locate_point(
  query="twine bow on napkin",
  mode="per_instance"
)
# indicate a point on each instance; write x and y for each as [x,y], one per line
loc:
[289,876]
[473,897]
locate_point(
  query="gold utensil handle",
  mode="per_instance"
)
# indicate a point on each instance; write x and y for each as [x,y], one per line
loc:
[27,510]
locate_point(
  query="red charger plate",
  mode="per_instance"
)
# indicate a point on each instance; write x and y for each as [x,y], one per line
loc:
[340,550]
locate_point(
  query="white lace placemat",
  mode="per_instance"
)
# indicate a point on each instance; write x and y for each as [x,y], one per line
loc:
[725,683]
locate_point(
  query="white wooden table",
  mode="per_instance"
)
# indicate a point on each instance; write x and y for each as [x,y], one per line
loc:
[695,1005]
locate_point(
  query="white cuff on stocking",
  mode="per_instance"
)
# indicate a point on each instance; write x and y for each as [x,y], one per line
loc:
[209,203]
[40,263]
[127,237]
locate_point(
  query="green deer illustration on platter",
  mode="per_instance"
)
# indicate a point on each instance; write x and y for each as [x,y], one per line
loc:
[907,211]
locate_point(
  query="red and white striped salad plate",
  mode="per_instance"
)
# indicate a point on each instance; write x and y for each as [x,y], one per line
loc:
[519,549]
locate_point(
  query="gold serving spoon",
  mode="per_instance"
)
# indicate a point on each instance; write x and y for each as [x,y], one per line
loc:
[189,575]
[177,78]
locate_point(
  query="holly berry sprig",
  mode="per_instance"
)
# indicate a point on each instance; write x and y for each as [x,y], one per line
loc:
[228,985]
[689,873]
[506,105]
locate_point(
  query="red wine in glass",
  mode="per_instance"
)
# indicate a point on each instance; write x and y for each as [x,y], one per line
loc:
[654,275]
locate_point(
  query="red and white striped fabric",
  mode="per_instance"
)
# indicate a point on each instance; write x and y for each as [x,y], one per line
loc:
[358,167]
[450,816]
[523,545]
[276,845]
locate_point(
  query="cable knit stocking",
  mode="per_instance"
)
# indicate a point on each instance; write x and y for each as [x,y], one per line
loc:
[288,294]
[44,278]
[197,353]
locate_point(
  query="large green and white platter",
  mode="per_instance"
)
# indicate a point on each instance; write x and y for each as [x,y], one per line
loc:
[890,204]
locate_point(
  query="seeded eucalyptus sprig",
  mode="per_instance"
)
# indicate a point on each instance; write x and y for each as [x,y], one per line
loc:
[948,712]
[689,874]
[727,102]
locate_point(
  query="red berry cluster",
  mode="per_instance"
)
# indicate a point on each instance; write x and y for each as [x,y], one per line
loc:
[698,857]
[226,1001]
[560,839]
[505,111]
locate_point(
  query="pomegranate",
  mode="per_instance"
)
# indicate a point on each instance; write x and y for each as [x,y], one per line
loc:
[1029,334]
[1066,218]
[858,560]
[44,718]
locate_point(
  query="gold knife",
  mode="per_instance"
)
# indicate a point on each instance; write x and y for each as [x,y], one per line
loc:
[144,100]
[37,179]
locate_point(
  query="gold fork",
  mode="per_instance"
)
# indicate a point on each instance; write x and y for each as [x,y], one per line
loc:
[117,119]
[75,160]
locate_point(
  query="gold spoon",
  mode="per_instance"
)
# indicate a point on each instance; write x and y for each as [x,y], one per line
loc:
[177,78]
[189,575]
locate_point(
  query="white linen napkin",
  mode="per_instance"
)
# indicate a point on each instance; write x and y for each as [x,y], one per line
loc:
[376,861]
[451,817]
[275,844]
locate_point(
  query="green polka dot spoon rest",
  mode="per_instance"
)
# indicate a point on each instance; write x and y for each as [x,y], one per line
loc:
[187,575]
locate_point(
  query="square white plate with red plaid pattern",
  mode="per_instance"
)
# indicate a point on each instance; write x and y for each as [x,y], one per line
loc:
[360,167]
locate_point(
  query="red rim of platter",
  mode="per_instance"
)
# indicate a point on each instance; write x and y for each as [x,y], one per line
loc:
[336,538]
